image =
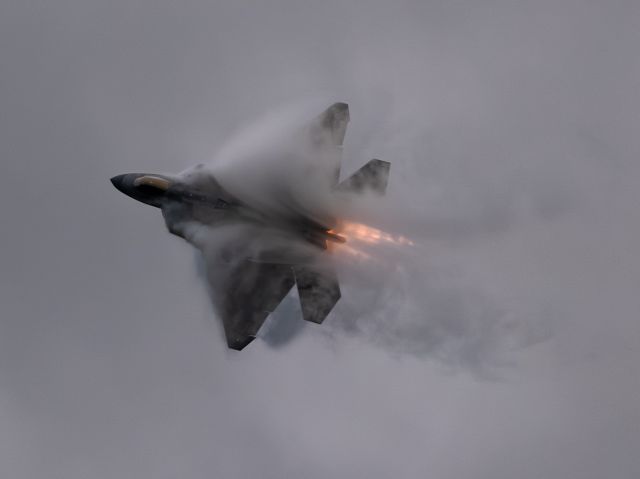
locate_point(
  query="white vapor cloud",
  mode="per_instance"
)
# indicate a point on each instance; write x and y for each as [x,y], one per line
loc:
[407,298]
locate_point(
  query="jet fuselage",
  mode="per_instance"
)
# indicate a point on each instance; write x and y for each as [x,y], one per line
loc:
[220,206]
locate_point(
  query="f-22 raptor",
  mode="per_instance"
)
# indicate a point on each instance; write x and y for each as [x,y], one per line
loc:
[268,251]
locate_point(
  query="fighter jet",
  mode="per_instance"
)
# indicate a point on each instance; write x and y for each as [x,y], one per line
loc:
[254,253]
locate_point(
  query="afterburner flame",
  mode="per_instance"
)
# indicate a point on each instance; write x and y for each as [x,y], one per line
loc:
[361,232]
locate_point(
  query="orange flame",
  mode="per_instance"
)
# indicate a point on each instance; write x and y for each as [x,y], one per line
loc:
[367,234]
[358,235]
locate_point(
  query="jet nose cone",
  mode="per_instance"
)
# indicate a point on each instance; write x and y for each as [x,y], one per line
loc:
[118,182]
[149,189]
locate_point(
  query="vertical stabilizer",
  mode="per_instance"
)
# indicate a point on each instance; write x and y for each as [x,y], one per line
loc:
[373,177]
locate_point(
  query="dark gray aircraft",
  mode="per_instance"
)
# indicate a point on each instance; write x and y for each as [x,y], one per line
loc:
[256,254]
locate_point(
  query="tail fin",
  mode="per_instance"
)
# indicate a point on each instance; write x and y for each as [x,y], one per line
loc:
[373,176]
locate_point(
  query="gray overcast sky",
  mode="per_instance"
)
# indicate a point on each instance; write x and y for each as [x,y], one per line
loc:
[506,345]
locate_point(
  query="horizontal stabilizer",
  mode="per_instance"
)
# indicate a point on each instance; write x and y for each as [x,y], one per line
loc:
[373,176]
[319,291]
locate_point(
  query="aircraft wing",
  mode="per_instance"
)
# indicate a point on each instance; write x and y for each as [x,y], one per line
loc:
[244,293]
[325,135]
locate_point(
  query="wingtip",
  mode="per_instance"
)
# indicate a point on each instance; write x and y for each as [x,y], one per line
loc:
[340,109]
[238,344]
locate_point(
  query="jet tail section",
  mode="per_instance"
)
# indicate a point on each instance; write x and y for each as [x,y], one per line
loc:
[319,291]
[373,176]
